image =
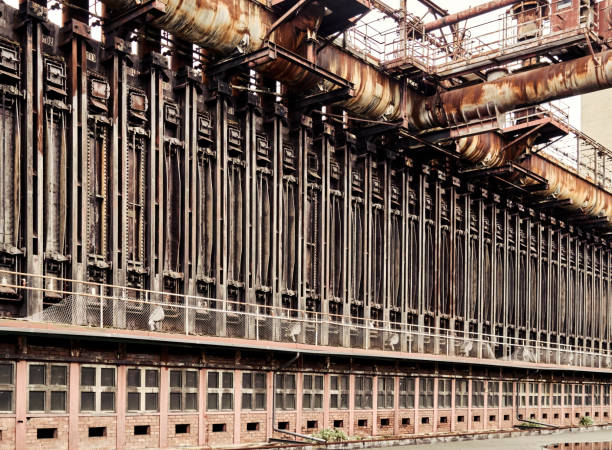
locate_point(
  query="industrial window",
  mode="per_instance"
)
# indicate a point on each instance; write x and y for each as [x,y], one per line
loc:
[7,387]
[98,389]
[142,389]
[568,394]
[184,386]
[386,391]
[545,400]
[557,393]
[522,394]
[445,392]
[254,390]
[220,390]
[477,394]
[578,394]
[339,391]
[312,392]
[426,390]
[562,4]
[606,395]
[597,395]
[406,392]
[363,392]
[493,394]
[533,394]
[588,394]
[284,397]
[47,387]
[507,394]
[461,393]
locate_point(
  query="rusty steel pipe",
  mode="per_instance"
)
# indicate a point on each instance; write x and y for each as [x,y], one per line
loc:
[467,14]
[557,81]
[565,184]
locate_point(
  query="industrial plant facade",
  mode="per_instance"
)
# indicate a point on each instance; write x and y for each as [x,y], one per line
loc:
[228,222]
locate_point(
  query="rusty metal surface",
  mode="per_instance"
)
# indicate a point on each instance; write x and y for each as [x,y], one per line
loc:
[580,76]
[485,149]
[565,184]
[466,14]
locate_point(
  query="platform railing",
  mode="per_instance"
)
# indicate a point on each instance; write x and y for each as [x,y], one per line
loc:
[115,307]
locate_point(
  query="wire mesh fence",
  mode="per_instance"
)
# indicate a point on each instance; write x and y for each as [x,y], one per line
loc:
[129,309]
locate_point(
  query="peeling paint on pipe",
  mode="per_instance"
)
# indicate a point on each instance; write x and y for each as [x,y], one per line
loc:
[565,184]
[580,76]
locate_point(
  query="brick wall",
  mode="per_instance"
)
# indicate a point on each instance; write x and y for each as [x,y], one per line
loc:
[223,423]
[60,441]
[285,416]
[7,429]
[256,420]
[107,441]
[363,415]
[445,418]
[381,429]
[187,427]
[312,416]
[426,415]
[150,440]
[339,415]
[406,415]
[478,419]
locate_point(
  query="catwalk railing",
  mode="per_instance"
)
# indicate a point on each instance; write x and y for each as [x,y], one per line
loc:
[489,40]
[114,307]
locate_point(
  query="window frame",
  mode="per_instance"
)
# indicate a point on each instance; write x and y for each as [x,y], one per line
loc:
[97,389]
[339,392]
[445,393]
[493,400]
[141,390]
[254,391]
[9,387]
[313,391]
[282,392]
[407,387]
[364,394]
[426,392]
[48,389]
[462,395]
[183,390]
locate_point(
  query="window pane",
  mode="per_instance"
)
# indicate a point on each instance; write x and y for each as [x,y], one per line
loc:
[58,401]
[37,401]
[37,374]
[319,382]
[152,378]
[133,401]
[247,380]
[260,380]
[306,401]
[307,382]
[133,378]
[151,401]
[280,381]
[344,401]
[334,383]
[175,401]
[6,374]
[176,379]
[88,376]
[227,401]
[59,375]
[213,380]
[344,383]
[290,401]
[107,401]
[333,401]
[88,401]
[260,401]
[318,398]
[6,400]
[191,401]
[290,382]
[246,401]
[228,380]
[107,376]
[212,401]
[191,379]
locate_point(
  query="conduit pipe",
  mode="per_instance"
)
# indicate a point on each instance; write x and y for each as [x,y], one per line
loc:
[466,14]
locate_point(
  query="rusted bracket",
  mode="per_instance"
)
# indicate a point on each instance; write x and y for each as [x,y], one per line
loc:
[284,17]
[270,52]
[595,58]
[521,137]
[143,13]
